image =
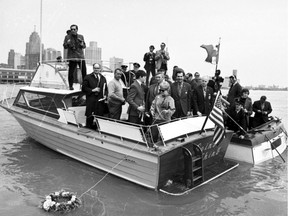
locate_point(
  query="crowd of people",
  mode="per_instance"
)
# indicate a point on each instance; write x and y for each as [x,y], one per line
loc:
[157,99]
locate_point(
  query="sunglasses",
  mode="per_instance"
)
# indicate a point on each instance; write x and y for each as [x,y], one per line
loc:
[162,90]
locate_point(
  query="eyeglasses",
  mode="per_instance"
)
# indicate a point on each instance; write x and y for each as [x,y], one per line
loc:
[73,29]
[162,90]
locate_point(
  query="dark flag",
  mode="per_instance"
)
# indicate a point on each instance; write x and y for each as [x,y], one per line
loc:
[212,53]
[216,116]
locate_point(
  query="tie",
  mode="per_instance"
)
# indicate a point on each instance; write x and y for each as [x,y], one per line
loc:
[179,88]
[156,90]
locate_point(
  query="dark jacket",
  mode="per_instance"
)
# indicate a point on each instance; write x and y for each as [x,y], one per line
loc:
[135,98]
[201,104]
[149,59]
[182,101]
[75,45]
[260,117]
[92,98]
[234,92]
[240,119]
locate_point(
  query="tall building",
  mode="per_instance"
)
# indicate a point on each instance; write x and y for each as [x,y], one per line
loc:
[32,54]
[15,60]
[115,63]
[11,56]
[51,54]
[93,54]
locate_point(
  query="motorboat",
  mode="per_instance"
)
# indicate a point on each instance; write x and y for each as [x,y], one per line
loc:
[184,158]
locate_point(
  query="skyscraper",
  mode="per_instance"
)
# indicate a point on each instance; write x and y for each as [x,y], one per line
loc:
[115,63]
[32,54]
[93,53]
[15,60]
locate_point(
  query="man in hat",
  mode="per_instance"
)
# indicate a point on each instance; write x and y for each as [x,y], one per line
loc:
[124,80]
[75,44]
[131,74]
[149,59]
[234,91]
[261,108]
[161,57]
[95,87]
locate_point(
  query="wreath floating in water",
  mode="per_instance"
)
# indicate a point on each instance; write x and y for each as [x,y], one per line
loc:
[61,201]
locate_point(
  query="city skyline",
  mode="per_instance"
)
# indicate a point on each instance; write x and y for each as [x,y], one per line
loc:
[253,33]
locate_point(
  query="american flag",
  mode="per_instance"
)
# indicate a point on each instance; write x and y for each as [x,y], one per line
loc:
[216,116]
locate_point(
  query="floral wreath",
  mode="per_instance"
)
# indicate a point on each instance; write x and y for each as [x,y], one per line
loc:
[62,201]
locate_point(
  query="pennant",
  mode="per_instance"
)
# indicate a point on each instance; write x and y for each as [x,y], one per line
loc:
[212,53]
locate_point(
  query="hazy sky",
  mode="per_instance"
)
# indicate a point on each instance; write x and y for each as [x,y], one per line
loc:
[253,32]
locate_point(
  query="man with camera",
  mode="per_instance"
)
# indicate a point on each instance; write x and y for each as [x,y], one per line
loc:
[75,44]
[161,58]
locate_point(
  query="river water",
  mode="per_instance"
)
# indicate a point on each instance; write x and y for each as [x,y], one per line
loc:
[29,171]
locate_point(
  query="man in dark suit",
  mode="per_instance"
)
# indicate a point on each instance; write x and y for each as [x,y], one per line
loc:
[261,108]
[95,87]
[203,98]
[239,119]
[181,93]
[136,98]
[234,91]
[149,59]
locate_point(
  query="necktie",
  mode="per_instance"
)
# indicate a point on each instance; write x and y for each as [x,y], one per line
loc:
[179,88]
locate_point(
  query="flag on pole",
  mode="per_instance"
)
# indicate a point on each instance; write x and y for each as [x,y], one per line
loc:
[216,116]
[212,53]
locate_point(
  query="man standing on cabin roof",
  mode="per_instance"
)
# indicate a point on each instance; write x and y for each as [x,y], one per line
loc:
[115,95]
[161,58]
[149,59]
[136,98]
[95,87]
[75,44]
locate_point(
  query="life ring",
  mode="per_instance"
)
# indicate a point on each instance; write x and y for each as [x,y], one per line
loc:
[61,201]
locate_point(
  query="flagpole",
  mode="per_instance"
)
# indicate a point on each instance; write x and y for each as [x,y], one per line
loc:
[40,57]
[218,52]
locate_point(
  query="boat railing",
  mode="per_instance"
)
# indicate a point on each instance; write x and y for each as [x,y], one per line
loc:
[144,134]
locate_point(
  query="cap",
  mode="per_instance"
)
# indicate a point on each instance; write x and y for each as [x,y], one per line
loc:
[196,74]
[136,65]
[163,44]
[152,47]
[179,70]
[238,101]
[124,66]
